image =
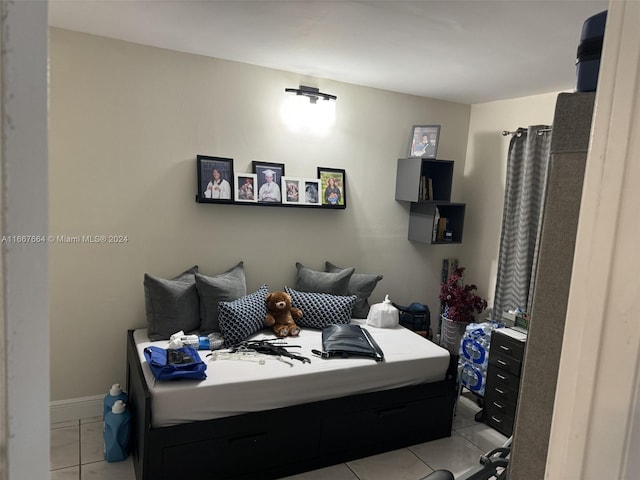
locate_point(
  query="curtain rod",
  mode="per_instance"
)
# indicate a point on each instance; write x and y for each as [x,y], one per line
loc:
[519,131]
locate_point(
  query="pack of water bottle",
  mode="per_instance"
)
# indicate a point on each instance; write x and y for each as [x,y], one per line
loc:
[474,355]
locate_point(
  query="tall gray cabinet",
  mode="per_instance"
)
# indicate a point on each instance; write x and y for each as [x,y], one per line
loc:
[569,145]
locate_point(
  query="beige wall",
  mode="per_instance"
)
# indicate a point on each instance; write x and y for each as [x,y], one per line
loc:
[126,123]
[485,174]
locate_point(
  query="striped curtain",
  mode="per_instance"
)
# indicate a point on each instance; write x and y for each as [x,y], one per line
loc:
[527,169]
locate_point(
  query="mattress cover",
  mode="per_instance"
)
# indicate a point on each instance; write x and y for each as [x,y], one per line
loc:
[234,387]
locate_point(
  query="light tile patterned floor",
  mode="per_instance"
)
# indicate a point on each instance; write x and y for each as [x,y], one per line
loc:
[77,453]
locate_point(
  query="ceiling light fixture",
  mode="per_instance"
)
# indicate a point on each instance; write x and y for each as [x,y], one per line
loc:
[312,116]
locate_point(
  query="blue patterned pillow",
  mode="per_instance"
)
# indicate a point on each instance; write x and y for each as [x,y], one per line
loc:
[242,317]
[322,309]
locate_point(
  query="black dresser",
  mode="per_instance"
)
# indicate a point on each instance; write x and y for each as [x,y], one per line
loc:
[503,379]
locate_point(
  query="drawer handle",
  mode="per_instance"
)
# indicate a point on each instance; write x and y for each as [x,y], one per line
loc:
[391,411]
[498,391]
[506,349]
[248,439]
[497,420]
[503,363]
[497,405]
[501,377]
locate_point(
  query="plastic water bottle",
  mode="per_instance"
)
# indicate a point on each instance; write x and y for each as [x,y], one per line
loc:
[116,432]
[110,398]
[211,342]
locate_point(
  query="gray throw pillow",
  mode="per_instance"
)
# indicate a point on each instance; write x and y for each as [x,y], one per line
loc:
[171,305]
[225,287]
[361,285]
[308,280]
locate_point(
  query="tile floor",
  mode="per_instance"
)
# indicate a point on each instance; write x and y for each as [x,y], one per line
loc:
[76,453]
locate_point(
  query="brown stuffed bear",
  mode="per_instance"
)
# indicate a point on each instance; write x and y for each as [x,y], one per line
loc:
[281,315]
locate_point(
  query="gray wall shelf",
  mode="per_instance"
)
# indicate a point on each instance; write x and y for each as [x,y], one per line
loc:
[426,183]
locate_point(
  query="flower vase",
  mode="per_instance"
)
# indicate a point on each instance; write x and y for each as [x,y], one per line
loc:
[451,334]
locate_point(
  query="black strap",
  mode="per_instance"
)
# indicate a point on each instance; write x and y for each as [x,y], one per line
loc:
[379,354]
[590,49]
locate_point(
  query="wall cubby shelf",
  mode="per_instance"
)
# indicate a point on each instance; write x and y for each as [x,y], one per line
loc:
[426,183]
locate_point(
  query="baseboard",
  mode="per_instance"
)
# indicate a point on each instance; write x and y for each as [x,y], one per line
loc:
[76,408]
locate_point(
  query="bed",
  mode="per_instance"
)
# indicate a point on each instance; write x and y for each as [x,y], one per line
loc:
[252,421]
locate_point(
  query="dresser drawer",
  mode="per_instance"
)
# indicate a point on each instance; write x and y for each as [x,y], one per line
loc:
[494,404]
[498,377]
[504,362]
[504,393]
[504,344]
[501,422]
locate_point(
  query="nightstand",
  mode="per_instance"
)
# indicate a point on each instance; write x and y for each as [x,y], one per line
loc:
[503,378]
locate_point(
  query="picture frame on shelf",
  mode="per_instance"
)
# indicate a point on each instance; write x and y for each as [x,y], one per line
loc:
[311,191]
[269,176]
[292,190]
[215,179]
[333,190]
[245,187]
[424,141]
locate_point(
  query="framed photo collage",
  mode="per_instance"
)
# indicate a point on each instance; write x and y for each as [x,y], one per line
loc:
[268,184]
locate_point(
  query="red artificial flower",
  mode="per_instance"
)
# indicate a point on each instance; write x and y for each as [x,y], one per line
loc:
[460,301]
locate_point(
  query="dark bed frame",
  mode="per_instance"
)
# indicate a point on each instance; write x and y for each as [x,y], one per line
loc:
[285,441]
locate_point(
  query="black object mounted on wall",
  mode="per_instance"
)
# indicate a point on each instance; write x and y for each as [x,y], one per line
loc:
[267,185]
[215,180]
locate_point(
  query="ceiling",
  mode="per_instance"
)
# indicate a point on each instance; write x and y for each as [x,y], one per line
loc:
[467,51]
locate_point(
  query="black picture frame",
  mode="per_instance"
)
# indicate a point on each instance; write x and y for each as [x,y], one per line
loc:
[223,191]
[417,146]
[265,194]
[333,188]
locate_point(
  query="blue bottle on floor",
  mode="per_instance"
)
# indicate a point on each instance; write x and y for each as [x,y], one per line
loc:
[116,433]
[115,393]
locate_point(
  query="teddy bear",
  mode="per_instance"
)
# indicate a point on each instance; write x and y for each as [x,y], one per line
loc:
[281,315]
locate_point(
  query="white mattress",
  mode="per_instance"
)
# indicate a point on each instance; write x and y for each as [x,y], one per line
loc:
[234,387]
